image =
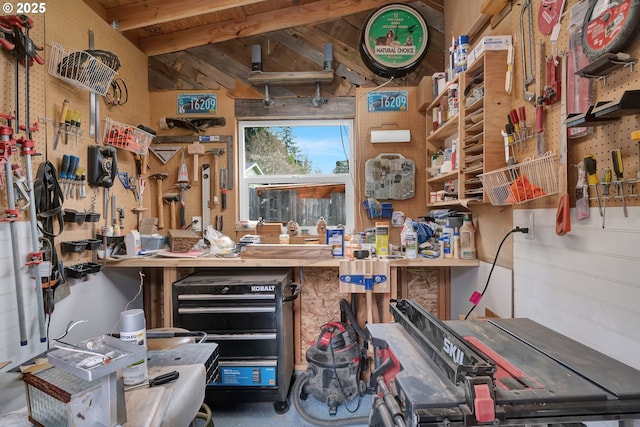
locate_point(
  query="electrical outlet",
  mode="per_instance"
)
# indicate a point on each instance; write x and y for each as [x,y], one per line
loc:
[197,223]
[529,218]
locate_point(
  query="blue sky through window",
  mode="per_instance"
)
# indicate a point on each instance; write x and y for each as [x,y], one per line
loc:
[323,145]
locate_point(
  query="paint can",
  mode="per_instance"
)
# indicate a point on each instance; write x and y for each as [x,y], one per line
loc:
[133,329]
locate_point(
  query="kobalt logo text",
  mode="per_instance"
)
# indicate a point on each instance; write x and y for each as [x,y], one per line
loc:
[453,351]
[263,288]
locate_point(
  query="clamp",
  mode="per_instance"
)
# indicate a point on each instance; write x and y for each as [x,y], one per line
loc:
[367,280]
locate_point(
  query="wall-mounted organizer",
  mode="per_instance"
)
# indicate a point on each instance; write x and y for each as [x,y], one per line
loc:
[390,176]
[474,121]
[83,70]
[78,271]
[126,137]
[523,182]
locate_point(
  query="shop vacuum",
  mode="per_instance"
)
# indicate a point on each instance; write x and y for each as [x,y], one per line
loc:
[334,365]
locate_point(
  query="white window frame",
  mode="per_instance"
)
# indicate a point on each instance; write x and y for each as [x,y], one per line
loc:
[346,179]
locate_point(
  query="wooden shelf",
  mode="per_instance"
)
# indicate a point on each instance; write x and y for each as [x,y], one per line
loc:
[259,78]
[443,94]
[444,177]
[472,130]
[447,129]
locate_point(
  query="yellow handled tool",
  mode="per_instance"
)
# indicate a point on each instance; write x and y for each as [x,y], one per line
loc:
[590,165]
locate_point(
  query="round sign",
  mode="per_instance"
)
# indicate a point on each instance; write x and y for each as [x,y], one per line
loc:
[394,40]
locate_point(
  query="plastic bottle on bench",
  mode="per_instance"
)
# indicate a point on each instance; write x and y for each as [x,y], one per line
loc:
[468,239]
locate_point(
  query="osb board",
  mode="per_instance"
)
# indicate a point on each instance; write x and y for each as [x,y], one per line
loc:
[164,104]
[414,150]
[320,300]
[320,304]
[423,285]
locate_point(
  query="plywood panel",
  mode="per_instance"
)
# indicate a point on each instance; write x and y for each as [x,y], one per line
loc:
[164,104]
[415,150]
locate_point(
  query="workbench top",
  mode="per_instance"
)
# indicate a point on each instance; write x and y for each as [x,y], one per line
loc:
[213,261]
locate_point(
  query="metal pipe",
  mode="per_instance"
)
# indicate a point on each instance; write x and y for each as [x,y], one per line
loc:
[35,242]
[11,204]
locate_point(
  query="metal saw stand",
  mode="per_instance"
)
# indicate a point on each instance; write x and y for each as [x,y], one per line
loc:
[499,371]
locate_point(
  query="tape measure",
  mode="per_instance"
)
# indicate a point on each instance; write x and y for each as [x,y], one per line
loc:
[609,27]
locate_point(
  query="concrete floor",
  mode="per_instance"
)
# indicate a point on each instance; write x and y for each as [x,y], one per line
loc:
[258,414]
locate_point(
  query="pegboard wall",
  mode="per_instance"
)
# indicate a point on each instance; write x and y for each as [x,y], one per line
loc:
[163,105]
[68,23]
[597,140]
[36,104]
[415,150]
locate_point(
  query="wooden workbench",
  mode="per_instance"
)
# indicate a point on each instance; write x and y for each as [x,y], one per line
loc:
[161,273]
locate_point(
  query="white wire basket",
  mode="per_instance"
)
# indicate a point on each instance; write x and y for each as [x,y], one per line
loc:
[127,137]
[80,69]
[523,182]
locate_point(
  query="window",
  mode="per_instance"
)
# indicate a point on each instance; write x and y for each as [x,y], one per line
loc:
[297,170]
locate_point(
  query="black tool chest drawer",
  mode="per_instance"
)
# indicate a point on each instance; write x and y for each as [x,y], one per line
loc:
[248,312]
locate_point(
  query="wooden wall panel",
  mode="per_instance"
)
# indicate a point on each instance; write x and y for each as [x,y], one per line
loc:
[414,150]
[46,94]
[164,104]
[136,111]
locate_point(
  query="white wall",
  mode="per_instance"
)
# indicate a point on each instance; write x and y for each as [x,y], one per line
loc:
[586,284]
[98,298]
[497,298]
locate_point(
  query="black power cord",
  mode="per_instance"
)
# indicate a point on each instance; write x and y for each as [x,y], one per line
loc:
[495,259]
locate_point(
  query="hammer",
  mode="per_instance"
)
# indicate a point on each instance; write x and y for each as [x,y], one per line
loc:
[172,198]
[183,187]
[159,177]
[216,152]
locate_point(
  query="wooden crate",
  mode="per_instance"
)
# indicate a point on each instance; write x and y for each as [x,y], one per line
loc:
[182,240]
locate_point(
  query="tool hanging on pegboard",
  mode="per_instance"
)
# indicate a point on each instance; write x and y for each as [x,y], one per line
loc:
[15,38]
[609,27]
[183,173]
[552,91]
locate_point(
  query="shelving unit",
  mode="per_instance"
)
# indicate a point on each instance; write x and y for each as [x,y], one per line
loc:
[480,146]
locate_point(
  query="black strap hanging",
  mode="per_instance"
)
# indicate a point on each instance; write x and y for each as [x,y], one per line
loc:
[49,200]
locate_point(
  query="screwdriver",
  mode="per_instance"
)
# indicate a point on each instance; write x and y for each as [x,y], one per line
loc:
[159,380]
[63,116]
[69,124]
[618,169]
[590,164]
[606,181]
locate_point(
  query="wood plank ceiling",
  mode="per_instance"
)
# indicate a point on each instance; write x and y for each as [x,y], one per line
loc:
[206,44]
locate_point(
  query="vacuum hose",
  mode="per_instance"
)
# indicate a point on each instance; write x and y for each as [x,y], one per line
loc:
[299,383]
[346,309]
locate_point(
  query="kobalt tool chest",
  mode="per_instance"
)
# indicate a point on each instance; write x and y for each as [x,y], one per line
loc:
[249,314]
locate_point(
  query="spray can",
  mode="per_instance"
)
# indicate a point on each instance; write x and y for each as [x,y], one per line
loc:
[462,47]
[133,329]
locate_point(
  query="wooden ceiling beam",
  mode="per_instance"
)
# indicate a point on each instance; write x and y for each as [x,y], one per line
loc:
[308,13]
[152,12]
[344,54]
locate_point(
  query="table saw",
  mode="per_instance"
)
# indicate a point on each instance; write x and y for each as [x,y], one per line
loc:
[495,371]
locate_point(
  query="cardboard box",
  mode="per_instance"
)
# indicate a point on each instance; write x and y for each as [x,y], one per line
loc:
[488,43]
